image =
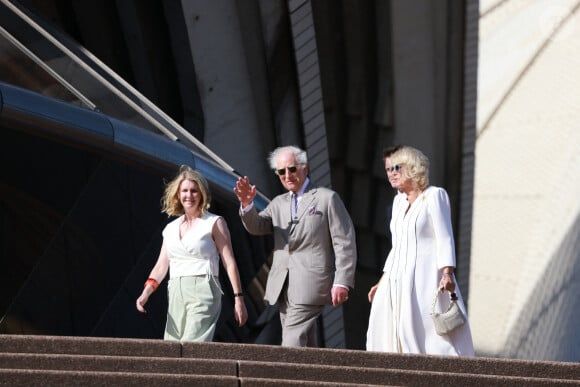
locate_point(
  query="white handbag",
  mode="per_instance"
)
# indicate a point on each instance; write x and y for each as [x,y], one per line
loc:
[452,318]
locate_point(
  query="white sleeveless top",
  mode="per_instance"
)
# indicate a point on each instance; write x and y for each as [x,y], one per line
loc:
[196,252]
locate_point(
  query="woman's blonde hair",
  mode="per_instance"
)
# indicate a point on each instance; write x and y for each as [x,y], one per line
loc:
[416,165]
[170,203]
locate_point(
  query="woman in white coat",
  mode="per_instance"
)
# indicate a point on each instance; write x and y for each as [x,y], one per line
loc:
[421,261]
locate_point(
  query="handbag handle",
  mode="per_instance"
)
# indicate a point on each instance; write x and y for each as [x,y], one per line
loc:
[452,296]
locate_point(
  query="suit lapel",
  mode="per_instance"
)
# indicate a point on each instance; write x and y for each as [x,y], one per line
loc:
[306,201]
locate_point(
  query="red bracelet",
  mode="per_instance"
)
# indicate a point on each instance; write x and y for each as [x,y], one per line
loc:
[153,282]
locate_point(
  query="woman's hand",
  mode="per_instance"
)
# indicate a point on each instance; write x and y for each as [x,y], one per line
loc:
[240,312]
[372,292]
[447,282]
[141,301]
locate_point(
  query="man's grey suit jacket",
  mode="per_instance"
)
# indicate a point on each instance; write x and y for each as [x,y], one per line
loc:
[314,253]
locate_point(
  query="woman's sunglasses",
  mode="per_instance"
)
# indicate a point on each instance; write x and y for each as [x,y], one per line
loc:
[394,168]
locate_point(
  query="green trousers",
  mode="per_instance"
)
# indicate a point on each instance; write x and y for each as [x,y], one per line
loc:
[194,308]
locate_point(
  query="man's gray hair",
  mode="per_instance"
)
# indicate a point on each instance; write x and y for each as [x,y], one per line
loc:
[301,157]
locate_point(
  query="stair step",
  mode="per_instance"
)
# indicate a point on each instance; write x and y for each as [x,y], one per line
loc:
[89,346]
[376,376]
[141,358]
[119,364]
[259,382]
[47,378]
[381,360]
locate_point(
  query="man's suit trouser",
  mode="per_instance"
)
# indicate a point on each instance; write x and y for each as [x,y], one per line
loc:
[298,323]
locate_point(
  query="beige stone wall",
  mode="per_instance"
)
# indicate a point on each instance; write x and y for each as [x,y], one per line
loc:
[525,242]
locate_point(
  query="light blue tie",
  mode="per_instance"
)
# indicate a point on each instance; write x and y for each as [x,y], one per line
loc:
[294,207]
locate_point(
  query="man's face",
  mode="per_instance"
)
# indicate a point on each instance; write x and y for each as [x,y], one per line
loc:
[292,181]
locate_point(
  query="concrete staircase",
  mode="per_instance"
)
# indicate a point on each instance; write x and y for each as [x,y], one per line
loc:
[27,360]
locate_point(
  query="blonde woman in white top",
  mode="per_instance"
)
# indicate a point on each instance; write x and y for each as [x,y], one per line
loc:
[192,246]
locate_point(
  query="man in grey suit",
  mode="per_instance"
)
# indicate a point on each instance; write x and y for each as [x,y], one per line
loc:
[315,254]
